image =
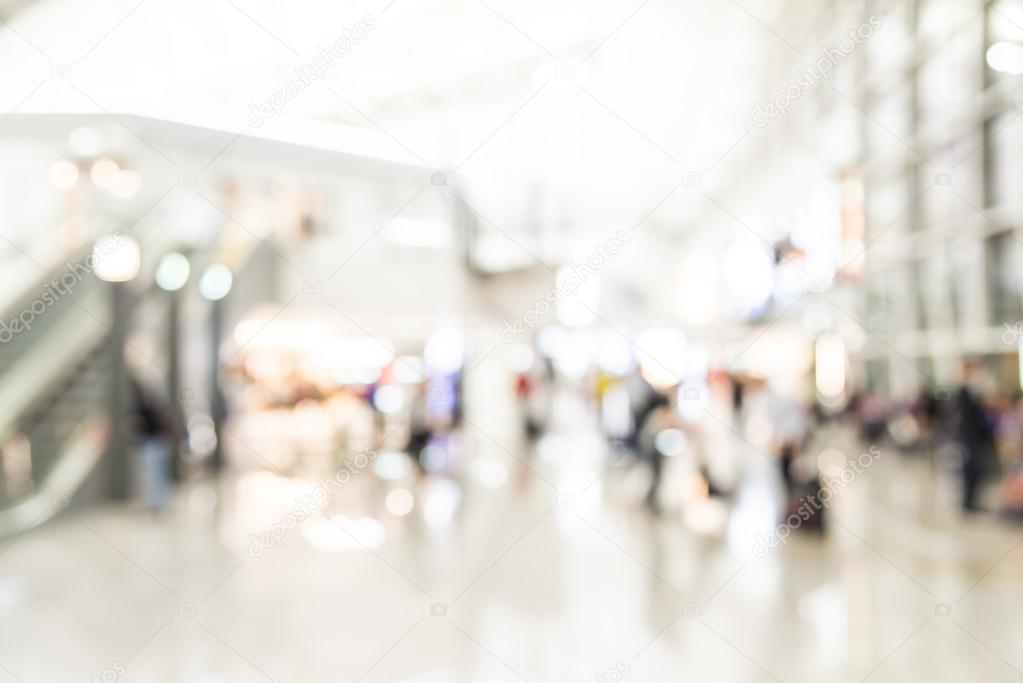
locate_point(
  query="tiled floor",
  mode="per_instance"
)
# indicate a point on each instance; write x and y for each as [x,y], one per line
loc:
[554,576]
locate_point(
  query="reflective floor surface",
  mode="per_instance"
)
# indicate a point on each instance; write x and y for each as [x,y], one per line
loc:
[536,566]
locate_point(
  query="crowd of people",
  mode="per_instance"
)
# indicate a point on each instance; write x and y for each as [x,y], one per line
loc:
[977,429]
[973,434]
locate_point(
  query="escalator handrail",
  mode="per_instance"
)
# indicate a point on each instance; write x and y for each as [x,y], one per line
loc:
[32,292]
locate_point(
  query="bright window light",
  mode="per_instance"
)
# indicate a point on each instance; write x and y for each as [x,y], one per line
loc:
[414,232]
[749,278]
[85,142]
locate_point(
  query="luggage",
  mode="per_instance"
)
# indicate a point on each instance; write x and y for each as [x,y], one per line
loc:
[805,504]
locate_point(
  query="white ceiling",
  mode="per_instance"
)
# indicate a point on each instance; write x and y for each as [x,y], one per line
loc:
[660,87]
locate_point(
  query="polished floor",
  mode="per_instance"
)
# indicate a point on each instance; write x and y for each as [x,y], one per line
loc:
[532,567]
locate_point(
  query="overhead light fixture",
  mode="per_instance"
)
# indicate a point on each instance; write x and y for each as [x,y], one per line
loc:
[63,174]
[1006,57]
[104,172]
[173,271]
[216,282]
[117,258]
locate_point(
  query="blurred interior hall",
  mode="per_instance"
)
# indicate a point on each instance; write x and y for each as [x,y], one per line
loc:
[481,341]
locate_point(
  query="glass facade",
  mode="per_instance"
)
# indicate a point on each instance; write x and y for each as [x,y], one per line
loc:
[940,132]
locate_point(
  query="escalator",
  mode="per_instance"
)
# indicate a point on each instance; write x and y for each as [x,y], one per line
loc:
[63,441]
[54,396]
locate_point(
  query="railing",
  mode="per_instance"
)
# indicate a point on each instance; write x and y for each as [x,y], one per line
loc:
[56,375]
[55,366]
[52,448]
[41,309]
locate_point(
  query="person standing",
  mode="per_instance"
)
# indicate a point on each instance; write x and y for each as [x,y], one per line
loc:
[974,431]
[154,430]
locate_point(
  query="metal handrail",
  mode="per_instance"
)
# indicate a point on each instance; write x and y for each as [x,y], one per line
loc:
[32,292]
[71,444]
[53,391]
[41,309]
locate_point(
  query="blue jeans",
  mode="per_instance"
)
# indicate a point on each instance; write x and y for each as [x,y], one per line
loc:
[154,471]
